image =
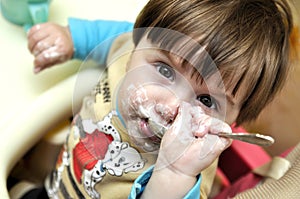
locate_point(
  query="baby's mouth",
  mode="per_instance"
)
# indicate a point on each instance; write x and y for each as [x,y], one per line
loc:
[148,131]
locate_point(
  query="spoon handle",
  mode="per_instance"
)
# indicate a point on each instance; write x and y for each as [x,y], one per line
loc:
[253,138]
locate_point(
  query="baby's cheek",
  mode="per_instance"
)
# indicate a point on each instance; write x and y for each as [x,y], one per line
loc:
[137,95]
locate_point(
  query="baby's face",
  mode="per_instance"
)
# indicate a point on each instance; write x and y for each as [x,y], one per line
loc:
[154,86]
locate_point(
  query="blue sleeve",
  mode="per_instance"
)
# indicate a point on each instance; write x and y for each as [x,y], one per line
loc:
[141,182]
[87,34]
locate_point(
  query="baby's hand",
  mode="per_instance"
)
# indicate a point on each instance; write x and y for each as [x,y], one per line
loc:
[187,148]
[50,44]
[191,144]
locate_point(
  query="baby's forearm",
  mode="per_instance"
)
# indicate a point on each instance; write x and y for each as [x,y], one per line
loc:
[165,183]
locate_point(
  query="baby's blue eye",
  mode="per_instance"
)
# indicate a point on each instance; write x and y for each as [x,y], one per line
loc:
[207,101]
[166,71]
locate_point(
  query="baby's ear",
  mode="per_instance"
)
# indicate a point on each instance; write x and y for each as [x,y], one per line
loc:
[295,44]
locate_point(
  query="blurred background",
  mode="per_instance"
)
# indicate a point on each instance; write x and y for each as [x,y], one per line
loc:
[281,118]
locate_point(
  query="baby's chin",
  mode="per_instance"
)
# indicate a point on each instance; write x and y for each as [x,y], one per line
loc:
[146,145]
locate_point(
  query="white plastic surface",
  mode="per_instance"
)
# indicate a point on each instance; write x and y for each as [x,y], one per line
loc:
[29,103]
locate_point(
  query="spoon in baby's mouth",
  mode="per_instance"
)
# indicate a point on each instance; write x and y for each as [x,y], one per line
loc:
[253,138]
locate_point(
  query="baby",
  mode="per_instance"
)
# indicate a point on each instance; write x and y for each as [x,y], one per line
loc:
[195,67]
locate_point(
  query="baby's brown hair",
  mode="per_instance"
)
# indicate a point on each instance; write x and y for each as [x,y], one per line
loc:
[248,40]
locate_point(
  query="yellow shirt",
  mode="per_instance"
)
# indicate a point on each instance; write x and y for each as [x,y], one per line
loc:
[98,159]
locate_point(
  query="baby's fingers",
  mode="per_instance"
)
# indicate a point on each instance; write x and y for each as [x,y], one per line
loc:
[36,34]
[218,126]
[48,58]
[213,146]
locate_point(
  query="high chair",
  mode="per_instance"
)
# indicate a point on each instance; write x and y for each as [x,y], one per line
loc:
[49,102]
[237,161]
[241,158]
[49,109]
